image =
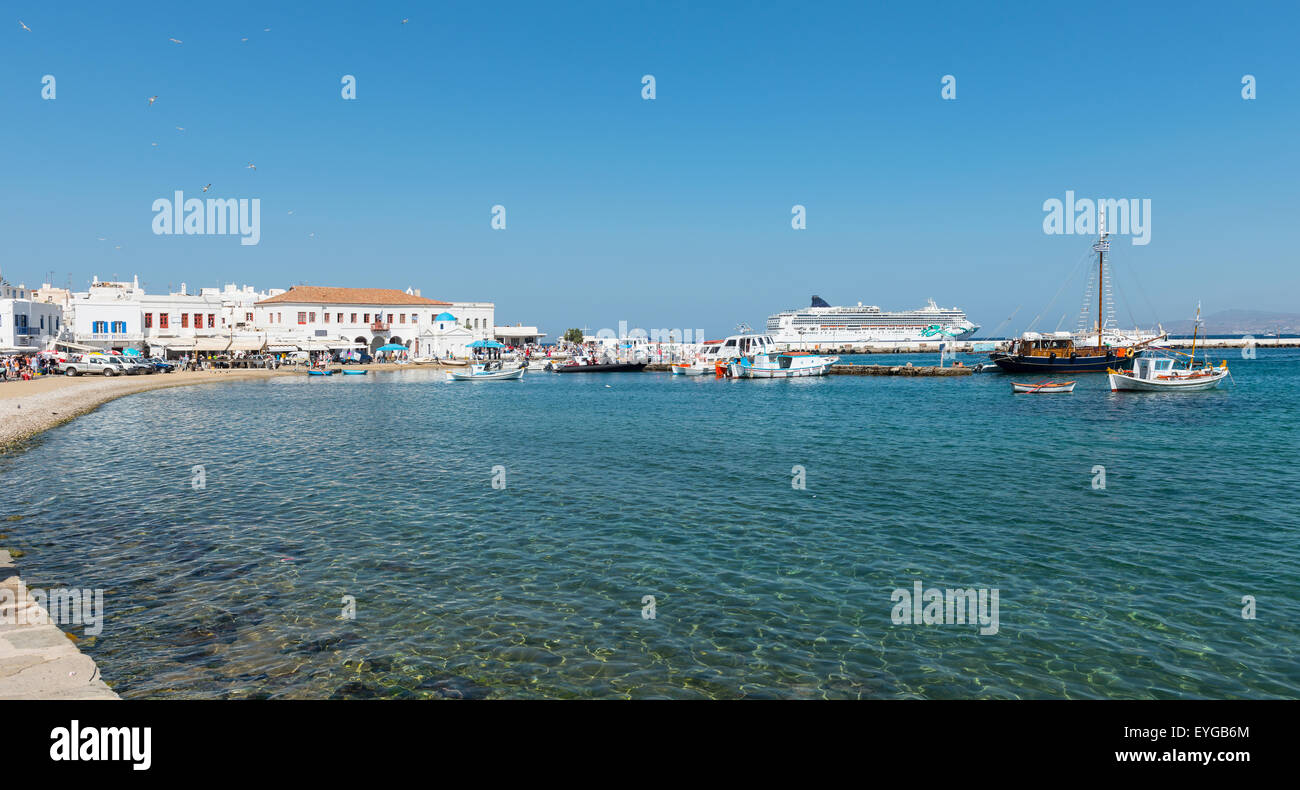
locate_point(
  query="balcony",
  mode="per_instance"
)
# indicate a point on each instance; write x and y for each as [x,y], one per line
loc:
[379,326]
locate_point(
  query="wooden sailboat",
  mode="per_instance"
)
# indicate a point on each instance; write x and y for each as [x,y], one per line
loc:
[1058,352]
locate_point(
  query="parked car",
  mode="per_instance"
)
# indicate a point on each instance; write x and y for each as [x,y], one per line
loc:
[160,365]
[136,365]
[91,364]
[365,359]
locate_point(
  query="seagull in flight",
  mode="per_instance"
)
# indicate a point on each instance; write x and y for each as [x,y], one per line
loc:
[176,41]
[155,145]
[206,188]
[404,21]
[180,128]
[251,166]
[25,27]
[152,99]
[242,40]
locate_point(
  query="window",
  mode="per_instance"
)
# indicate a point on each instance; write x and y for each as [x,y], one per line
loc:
[212,320]
[185,320]
[99,327]
[302,318]
[198,320]
[119,326]
[248,316]
[401,318]
[367,318]
[327,318]
[148,320]
[312,316]
[340,318]
[415,318]
[162,320]
[354,318]
[390,318]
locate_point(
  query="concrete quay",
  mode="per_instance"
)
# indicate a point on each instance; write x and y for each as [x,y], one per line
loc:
[37,660]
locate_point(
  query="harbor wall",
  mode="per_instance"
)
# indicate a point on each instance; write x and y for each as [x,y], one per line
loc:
[37,659]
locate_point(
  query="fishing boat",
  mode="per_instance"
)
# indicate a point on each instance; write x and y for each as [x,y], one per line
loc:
[320,373]
[1096,351]
[696,368]
[486,372]
[1043,388]
[788,365]
[1158,371]
[355,372]
[602,367]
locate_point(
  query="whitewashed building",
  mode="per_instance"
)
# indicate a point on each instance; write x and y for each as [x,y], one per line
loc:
[319,318]
[26,324]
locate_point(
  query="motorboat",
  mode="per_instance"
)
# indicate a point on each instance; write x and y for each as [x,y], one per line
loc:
[486,372]
[793,364]
[696,368]
[355,372]
[1044,387]
[603,367]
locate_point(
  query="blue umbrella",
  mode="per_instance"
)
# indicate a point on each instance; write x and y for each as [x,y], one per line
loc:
[485,344]
[392,347]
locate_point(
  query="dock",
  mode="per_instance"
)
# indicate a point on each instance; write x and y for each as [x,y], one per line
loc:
[37,659]
[900,370]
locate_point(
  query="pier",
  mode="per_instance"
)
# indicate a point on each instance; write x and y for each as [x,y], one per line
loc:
[37,659]
[900,370]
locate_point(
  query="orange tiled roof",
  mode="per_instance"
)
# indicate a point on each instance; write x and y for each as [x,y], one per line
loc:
[318,294]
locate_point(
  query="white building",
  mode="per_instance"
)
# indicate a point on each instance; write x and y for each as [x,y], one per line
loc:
[314,318]
[517,335]
[26,324]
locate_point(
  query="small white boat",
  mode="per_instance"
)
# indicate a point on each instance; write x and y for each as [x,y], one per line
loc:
[781,366]
[1045,387]
[484,373]
[1158,374]
[540,364]
[696,368]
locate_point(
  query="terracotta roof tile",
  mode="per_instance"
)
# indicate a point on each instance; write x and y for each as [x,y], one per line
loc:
[317,294]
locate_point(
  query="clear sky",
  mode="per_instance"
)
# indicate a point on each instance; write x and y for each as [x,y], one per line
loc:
[673,212]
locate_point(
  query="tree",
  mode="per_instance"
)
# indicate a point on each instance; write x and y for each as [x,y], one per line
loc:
[573,335]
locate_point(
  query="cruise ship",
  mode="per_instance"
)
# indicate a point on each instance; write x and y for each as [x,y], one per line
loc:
[821,323]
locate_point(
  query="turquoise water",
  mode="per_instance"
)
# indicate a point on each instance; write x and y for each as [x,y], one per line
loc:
[380,487]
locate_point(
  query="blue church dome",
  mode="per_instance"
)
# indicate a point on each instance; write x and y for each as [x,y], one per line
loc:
[445,317]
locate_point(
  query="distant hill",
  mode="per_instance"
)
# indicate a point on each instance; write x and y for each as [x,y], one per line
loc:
[1241,322]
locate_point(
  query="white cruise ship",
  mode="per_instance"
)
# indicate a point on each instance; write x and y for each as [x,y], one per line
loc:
[821,323]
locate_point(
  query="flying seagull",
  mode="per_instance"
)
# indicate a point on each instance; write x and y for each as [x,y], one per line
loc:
[242,40]
[152,99]
[176,41]
[251,166]
[155,145]
[25,27]
[404,21]
[206,188]
[180,128]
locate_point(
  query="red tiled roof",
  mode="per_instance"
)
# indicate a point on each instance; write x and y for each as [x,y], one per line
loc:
[317,294]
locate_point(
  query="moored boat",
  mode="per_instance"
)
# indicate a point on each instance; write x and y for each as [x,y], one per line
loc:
[781,366]
[696,368]
[614,367]
[486,372]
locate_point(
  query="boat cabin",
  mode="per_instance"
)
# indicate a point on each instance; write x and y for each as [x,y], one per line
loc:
[1150,368]
[737,346]
[1033,344]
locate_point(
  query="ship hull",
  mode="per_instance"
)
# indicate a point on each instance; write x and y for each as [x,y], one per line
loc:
[1016,363]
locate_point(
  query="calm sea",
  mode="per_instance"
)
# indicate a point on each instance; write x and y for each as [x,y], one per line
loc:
[378,490]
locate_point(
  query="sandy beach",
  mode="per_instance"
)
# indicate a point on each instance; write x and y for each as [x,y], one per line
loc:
[29,407]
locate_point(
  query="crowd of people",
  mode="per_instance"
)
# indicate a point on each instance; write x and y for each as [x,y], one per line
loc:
[24,367]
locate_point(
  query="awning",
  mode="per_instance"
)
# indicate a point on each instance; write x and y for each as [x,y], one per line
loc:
[211,344]
[247,345]
[178,344]
[334,344]
[281,348]
[77,346]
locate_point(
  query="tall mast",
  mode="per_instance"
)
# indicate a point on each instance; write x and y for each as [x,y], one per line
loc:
[1101,247]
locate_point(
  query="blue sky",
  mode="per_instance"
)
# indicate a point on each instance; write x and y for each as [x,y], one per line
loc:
[673,212]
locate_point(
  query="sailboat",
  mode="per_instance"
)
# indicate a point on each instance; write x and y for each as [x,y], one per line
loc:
[1063,352]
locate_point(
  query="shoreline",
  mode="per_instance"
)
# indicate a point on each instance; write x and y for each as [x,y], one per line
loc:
[29,408]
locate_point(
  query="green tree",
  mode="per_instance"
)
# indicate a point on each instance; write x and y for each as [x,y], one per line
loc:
[573,335]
